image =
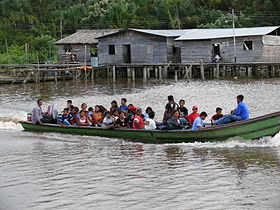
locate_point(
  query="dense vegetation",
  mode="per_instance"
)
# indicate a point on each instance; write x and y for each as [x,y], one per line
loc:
[33,25]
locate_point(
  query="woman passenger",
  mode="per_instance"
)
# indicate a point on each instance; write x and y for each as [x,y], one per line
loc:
[83,119]
[97,115]
[114,106]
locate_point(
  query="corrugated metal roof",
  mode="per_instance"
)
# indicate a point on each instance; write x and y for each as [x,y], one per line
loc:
[165,33]
[85,36]
[199,34]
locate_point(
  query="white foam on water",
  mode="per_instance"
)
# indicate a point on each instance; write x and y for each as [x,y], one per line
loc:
[11,121]
[241,143]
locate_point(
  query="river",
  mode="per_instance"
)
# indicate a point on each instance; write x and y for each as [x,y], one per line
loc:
[59,171]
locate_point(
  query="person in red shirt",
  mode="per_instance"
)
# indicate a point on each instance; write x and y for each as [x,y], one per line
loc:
[218,114]
[138,122]
[193,115]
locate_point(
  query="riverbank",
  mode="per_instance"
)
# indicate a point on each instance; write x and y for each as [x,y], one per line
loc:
[10,74]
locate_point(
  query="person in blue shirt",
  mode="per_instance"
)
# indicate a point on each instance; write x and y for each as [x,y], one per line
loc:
[240,113]
[123,105]
[198,122]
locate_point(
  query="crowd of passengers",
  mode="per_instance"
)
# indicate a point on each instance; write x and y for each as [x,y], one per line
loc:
[176,116]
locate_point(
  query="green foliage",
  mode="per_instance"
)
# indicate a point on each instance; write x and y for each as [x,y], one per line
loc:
[38,22]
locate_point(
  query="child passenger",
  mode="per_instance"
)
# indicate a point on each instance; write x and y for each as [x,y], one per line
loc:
[218,114]
[83,119]
[65,117]
[150,124]
[108,121]
[198,123]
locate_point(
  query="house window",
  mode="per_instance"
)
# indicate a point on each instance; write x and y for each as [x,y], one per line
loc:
[248,45]
[111,49]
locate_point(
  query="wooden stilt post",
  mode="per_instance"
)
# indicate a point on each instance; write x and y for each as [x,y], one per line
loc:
[160,72]
[133,74]
[224,71]
[55,76]
[148,72]
[144,74]
[202,70]
[176,75]
[114,73]
[108,72]
[128,72]
[156,71]
[249,71]
[92,74]
[165,74]
[217,71]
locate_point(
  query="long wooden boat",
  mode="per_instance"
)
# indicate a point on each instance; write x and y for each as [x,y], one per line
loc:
[267,125]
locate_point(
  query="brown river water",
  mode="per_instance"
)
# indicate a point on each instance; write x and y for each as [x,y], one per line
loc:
[59,171]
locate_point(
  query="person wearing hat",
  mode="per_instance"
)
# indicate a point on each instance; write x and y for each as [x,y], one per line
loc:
[193,115]
[138,122]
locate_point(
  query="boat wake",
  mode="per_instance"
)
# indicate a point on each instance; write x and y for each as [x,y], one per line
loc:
[267,141]
[11,121]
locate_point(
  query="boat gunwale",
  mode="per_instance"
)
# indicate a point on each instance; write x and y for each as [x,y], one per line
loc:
[214,127]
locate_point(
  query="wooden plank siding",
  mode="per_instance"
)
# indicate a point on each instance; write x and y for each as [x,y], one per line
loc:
[193,51]
[145,48]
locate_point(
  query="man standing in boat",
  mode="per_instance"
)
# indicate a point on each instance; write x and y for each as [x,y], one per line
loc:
[37,113]
[240,113]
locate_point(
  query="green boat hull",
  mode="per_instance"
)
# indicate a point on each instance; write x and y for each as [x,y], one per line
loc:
[267,125]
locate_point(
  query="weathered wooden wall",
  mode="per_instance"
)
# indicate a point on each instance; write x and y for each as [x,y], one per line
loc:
[145,48]
[271,48]
[193,51]
[265,49]
[227,49]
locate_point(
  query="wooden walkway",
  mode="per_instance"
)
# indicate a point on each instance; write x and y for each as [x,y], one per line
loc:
[11,74]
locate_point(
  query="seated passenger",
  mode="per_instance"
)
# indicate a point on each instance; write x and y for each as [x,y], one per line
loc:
[116,114]
[150,124]
[130,115]
[123,105]
[37,113]
[108,121]
[218,114]
[169,108]
[198,122]
[138,122]
[122,121]
[65,117]
[97,115]
[69,104]
[174,123]
[147,112]
[84,107]
[73,116]
[183,113]
[83,119]
[241,113]
[193,115]
[114,106]
[90,111]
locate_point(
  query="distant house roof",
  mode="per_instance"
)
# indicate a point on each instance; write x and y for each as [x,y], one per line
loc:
[163,33]
[85,36]
[199,34]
